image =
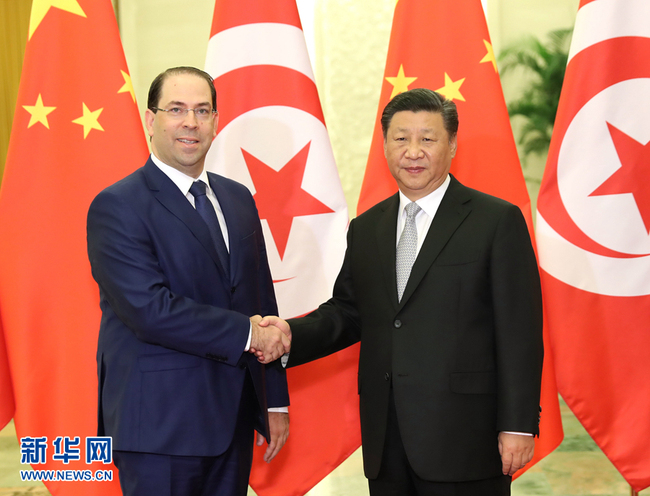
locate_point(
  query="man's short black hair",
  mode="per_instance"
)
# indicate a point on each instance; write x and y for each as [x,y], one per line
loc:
[422,100]
[155,89]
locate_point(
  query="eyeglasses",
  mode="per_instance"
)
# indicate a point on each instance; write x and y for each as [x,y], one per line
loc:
[202,114]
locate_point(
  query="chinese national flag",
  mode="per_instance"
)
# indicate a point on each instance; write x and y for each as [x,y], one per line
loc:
[593,232]
[76,130]
[272,138]
[444,45]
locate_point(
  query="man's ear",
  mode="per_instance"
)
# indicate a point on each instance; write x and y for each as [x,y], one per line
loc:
[215,116]
[149,116]
[453,145]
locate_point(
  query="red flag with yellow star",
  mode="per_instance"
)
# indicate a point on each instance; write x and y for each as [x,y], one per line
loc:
[272,138]
[75,131]
[444,45]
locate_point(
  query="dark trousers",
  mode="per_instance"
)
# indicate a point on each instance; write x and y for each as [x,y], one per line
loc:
[148,474]
[397,478]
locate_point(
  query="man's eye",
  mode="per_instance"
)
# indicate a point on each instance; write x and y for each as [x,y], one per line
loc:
[175,111]
[202,112]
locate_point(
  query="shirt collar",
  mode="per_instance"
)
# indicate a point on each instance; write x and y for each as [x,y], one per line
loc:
[430,203]
[181,180]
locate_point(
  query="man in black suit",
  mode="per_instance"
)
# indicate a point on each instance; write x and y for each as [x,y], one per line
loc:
[451,345]
[179,257]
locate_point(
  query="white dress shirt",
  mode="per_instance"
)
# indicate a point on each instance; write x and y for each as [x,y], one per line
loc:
[429,207]
[184,183]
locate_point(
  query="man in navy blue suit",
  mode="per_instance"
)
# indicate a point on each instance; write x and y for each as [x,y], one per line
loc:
[179,257]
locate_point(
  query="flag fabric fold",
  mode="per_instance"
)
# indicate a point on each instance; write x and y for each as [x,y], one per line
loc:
[272,138]
[76,130]
[593,232]
[7,406]
[445,46]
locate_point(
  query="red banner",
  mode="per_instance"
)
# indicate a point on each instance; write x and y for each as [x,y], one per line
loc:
[444,45]
[272,138]
[76,130]
[593,232]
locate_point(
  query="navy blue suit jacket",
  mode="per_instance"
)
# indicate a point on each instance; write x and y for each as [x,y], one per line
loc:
[170,355]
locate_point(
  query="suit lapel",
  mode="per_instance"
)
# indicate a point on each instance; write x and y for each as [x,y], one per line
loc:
[451,213]
[227,204]
[166,192]
[387,245]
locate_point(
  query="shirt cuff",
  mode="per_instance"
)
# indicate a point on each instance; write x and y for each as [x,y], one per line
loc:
[279,409]
[250,337]
[518,433]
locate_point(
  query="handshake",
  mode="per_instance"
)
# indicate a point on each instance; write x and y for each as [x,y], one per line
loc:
[270,338]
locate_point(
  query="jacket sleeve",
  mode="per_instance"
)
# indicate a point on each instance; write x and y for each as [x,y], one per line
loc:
[126,267]
[517,303]
[334,325]
[276,376]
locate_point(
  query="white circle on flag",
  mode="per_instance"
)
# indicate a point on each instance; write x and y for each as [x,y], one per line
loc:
[274,135]
[588,158]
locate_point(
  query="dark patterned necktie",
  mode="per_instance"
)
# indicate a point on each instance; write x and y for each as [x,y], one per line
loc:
[206,210]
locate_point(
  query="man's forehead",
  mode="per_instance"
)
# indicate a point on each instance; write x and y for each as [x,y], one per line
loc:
[415,114]
[422,120]
[176,86]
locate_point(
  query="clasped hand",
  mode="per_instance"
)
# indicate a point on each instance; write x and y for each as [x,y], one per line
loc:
[270,338]
[516,451]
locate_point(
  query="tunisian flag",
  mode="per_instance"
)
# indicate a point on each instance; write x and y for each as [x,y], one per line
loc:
[76,130]
[593,232]
[272,138]
[444,45]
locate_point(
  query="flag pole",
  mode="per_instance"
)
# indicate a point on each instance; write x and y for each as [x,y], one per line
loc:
[633,492]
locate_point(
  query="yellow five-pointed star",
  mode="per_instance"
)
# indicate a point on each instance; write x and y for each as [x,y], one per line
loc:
[128,85]
[41,7]
[89,120]
[451,89]
[400,82]
[489,56]
[38,112]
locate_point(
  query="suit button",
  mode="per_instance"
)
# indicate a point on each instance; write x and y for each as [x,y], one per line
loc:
[387,376]
[397,324]
[232,290]
[243,366]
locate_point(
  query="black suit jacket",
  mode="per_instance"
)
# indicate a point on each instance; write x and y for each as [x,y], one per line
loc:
[170,355]
[463,349]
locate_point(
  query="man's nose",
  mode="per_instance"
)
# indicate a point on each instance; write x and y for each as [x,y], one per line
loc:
[414,150]
[190,119]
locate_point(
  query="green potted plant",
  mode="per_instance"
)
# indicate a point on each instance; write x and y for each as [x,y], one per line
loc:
[545,63]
